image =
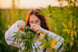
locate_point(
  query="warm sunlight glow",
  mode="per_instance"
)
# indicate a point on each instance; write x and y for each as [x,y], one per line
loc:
[30,3]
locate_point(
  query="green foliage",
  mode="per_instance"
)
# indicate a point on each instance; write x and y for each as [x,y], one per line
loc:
[27,38]
[64,22]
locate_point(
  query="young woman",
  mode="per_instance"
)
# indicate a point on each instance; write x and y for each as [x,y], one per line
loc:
[38,25]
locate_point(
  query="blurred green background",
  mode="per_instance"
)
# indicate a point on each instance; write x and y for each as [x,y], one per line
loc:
[61,20]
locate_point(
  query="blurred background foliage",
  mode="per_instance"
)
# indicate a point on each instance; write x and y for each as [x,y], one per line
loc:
[61,20]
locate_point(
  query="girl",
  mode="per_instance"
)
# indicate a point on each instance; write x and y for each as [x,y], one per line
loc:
[38,25]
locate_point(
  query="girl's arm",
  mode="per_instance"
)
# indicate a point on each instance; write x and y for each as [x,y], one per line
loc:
[10,33]
[54,36]
[59,39]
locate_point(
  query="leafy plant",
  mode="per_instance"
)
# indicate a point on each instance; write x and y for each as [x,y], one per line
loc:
[27,38]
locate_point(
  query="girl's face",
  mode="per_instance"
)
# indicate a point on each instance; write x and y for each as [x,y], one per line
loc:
[34,20]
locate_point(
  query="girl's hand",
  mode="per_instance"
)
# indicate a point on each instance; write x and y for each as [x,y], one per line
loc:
[20,24]
[36,28]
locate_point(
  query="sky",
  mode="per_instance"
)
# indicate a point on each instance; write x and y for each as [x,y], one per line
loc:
[4,4]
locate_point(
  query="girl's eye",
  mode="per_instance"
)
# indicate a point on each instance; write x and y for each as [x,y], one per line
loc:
[31,21]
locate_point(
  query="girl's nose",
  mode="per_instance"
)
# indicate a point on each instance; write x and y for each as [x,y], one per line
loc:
[34,22]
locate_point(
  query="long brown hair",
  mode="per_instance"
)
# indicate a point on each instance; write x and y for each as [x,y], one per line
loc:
[41,17]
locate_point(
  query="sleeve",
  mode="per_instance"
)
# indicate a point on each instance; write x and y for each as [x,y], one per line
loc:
[56,37]
[10,33]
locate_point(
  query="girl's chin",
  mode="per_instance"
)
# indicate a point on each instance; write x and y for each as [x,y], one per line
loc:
[35,31]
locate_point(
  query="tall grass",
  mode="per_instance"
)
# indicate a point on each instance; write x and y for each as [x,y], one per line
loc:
[63,21]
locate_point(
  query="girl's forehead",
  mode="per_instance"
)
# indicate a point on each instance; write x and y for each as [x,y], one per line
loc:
[33,17]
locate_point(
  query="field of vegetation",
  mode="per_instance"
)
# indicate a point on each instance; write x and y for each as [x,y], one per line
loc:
[61,20]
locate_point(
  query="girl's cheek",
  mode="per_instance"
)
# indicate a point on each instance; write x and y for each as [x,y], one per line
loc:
[30,24]
[39,24]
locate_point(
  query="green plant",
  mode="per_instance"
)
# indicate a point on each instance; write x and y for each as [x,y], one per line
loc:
[27,38]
